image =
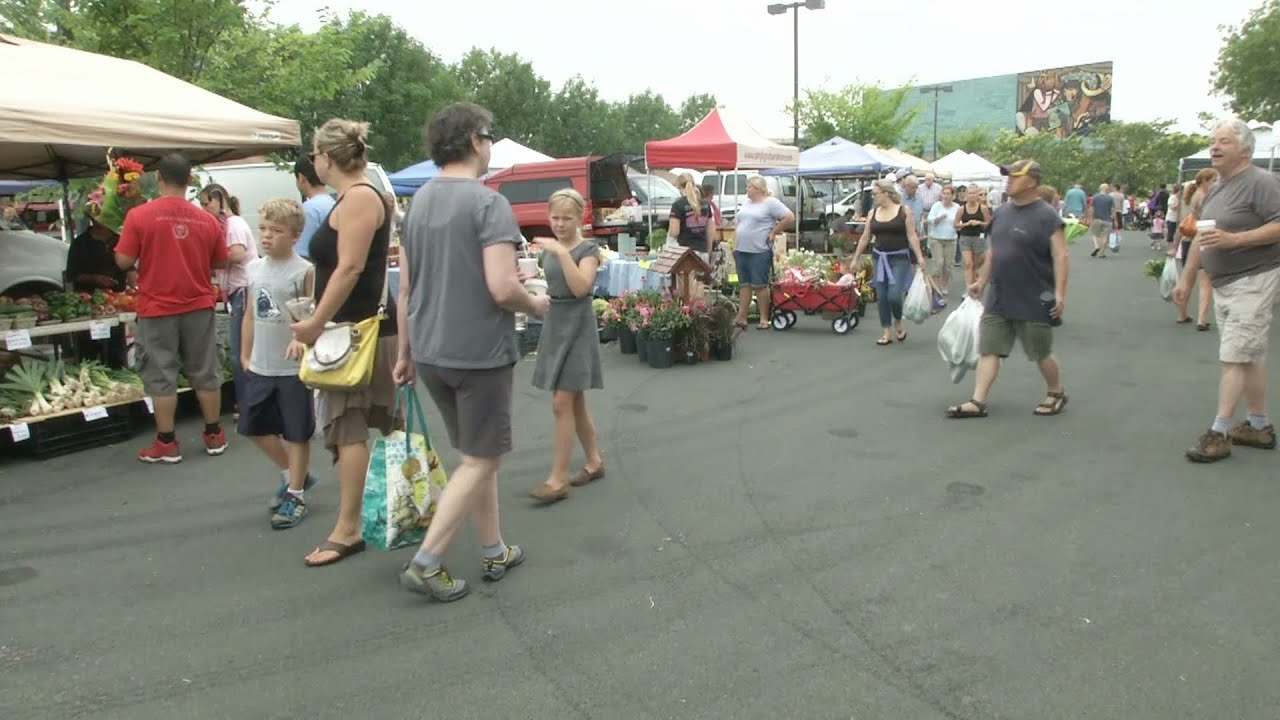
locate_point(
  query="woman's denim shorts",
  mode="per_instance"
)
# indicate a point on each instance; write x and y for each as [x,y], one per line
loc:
[753,267]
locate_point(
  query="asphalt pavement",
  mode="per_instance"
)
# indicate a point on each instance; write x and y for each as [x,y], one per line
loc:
[797,533]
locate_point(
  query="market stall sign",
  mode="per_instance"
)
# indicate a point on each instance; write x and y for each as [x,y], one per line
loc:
[151,406]
[17,339]
[94,413]
[20,431]
[99,330]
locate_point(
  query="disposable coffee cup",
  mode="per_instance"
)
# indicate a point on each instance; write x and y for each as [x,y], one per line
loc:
[528,266]
[1048,300]
[536,286]
[300,308]
[1203,225]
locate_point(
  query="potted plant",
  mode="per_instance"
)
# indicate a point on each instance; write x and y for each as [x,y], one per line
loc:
[720,330]
[700,331]
[622,313]
[608,331]
[666,323]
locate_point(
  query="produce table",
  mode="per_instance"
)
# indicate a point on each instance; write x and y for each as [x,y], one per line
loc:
[98,329]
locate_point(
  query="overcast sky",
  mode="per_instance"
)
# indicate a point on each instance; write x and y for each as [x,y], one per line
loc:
[1163,51]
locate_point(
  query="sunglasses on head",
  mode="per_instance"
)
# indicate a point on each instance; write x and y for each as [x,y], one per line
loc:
[485,135]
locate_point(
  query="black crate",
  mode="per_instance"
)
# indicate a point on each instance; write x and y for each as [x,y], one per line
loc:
[70,433]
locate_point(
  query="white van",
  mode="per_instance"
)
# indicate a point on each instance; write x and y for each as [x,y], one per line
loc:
[255,183]
[731,193]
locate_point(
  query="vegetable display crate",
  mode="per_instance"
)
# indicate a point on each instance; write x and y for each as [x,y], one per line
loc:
[787,298]
[72,431]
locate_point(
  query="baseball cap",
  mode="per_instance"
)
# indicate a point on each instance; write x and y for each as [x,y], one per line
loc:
[1021,167]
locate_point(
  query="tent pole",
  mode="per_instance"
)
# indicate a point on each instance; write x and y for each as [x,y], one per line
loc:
[648,173]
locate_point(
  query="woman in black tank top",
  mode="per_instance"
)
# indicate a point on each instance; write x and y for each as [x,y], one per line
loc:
[897,249]
[971,223]
[349,250]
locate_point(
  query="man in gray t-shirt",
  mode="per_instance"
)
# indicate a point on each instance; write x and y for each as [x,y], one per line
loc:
[459,290]
[1238,245]
[1027,271]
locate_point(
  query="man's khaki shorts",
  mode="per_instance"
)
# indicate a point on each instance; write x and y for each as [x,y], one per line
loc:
[997,334]
[1244,309]
[187,341]
[1100,229]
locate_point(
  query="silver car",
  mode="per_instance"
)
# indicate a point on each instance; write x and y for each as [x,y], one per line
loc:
[33,263]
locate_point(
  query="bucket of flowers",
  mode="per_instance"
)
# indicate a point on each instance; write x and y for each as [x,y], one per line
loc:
[667,322]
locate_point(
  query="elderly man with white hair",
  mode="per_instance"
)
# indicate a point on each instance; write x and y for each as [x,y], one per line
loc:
[1238,245]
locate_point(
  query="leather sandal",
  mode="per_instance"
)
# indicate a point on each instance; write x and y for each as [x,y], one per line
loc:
[958,412]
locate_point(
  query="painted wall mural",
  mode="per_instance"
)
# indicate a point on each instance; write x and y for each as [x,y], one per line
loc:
[1064,101]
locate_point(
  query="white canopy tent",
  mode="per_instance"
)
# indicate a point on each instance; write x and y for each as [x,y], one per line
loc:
[82,103]
[965,167]
[507,152]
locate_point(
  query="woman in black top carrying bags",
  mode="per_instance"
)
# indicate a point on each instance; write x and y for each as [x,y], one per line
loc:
[349,250]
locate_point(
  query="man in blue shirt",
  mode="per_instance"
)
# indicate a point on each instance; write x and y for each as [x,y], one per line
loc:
[317,202]
[1076,200]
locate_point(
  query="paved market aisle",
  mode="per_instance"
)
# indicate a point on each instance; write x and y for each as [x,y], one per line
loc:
[797,534]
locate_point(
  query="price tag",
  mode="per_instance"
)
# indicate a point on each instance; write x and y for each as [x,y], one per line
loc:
[94,413]
[99,330]
[17,339]
[151,406]
[20,431]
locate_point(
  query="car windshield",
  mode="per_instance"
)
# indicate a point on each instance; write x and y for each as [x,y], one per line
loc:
[663,191]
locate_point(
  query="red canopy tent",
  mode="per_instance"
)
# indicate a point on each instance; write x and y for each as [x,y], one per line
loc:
[721,141]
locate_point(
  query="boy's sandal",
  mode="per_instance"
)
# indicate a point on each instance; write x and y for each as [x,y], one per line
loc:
[1054,405]
[764,325]
[584,476]
[959,412]
[341,552]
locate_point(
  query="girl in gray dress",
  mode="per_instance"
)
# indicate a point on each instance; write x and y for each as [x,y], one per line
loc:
[569,347]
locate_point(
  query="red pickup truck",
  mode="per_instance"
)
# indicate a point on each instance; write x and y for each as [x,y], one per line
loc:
[602,180]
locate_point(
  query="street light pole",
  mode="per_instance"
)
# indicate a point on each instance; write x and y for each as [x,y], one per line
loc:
[781,9]
[935,89]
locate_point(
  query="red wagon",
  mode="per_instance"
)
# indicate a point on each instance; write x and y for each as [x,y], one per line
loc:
[788,298]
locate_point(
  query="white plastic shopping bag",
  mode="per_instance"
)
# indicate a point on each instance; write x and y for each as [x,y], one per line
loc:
[1114,243]
[918,305]
[1168,279]
[958,338]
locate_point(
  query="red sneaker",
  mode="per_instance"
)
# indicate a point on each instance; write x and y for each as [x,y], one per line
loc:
[215,443]
[161,451]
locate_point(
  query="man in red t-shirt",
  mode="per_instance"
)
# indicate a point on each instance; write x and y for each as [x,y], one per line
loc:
[176,245]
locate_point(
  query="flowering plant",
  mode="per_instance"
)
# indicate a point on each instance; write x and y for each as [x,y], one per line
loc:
[807,267]
[119,193]
[669,319]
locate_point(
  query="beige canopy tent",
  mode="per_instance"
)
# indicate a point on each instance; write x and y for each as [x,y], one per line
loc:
[74,105]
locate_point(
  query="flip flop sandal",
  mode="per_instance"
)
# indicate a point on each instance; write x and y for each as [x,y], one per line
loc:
[902,336]
[1052,407]
[342,552]
[957,412]
[740,324]
[585,476]
[882,342]
[1203,328]
[763,326]
[1183,321]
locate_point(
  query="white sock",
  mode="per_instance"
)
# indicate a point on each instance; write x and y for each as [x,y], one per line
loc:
[295,493]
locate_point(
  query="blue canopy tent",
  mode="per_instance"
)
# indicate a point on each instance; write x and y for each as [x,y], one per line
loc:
[408,180]
[836,157]
[14,187]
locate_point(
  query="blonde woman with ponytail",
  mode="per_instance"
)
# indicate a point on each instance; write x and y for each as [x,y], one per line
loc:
[569,348]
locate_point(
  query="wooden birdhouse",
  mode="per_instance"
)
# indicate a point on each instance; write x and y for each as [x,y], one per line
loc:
[684,266]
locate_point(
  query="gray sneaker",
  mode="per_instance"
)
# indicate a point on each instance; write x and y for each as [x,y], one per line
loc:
[496,568]
[438,585]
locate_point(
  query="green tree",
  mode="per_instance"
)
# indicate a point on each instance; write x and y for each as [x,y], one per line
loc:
[580,122]
[976,139]
[645,117]
[391,80]
[508,87]
[1247,61]
[694,108]
[43,20]
[858,112]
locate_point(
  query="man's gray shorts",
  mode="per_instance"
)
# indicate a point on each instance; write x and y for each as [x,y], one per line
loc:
[188,341]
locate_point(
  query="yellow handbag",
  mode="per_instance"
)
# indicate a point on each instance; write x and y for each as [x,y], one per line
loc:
[342,357]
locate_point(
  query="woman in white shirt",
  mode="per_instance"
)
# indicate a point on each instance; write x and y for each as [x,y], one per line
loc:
[941,225]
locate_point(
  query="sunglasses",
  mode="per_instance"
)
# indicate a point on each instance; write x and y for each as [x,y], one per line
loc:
[485,136]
